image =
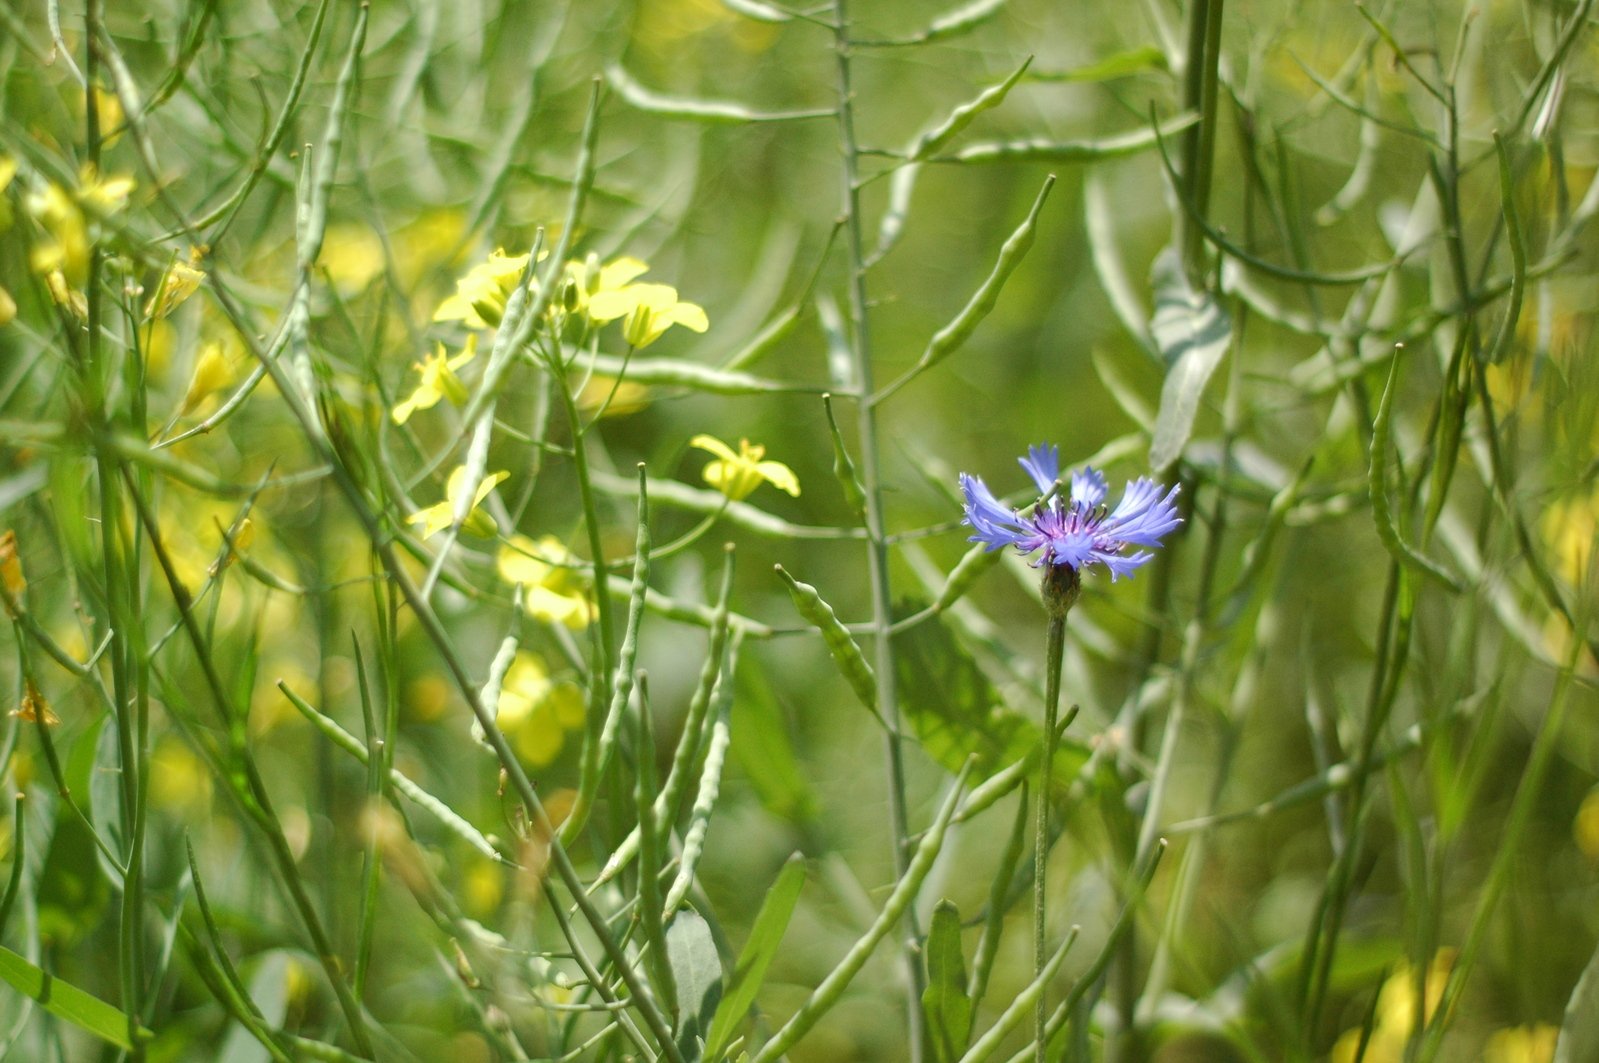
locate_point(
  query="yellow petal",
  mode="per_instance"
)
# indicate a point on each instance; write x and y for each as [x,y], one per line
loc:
[779,476]
[619,271]
[714,445]
[690,316]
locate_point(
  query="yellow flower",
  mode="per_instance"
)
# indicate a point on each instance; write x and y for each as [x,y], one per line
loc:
[441,515]
[1397,1013]
[177,284]
[66,218]
[536,711]
[352,256]
[1570,527]
[8,307]
[588,278]
[1521,1044]
[650,309]
[736,475]
[610,397]
[8,170]
[553,588]
[480,296]
[212,373]
[438,381]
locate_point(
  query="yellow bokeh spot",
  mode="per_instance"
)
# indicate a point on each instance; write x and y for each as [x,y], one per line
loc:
[179,780]
[1521,1044]
[1570,527]
[427,696]
[482,886]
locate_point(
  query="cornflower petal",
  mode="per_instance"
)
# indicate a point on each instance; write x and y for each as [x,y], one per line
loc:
[995,526]
[1088,487]
[1043,465]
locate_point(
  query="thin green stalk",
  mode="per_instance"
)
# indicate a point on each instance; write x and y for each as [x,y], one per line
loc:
[1200,82]
[1054,655]
[251,790]
[877,549]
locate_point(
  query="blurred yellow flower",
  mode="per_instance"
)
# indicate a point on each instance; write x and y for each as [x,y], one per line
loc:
[66,219]
[553,587]
[212,372]
[1521,1044]
[1570,527]
[8,307]
[1397,1013]
[480,296]
[438,381]
[535,711]
[736,475]
[352,255]
[178,779]
[177,284]
[649,309]
[612,398]
[441,515]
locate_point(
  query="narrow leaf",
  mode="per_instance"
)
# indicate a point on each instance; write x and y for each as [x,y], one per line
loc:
[765,937]
[944,1002]
[66,1001]
[1192,332]
[951,23]
[1579,1033]
[697,972]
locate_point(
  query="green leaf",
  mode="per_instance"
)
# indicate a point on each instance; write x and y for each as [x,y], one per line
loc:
[66,1001]
[765,937]
[1579,1033]
[766,754]
[944,1001]
[1192,332]
[697,972]
[954,710]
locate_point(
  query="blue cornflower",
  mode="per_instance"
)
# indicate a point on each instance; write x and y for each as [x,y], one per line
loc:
[1075,530]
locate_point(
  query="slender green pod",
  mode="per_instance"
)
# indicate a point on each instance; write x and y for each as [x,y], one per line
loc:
[598,750]
[951,337]
[841,645]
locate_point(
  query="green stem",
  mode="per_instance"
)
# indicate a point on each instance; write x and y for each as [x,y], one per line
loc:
[877,553]
[1054,654]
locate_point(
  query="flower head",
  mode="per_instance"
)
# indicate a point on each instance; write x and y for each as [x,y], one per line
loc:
[1073,527]
[438,381]
[553,588]
[480,296]
[441,515]
[649,309]
[736,475]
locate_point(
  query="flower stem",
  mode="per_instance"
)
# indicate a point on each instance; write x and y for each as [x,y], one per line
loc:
[1054,652]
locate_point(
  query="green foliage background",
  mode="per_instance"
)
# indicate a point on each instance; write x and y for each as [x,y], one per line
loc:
[1365,731]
